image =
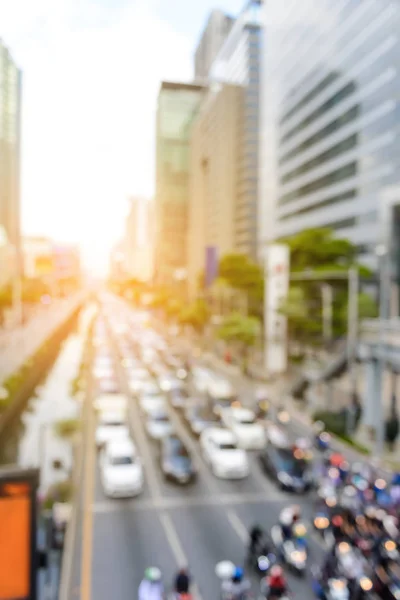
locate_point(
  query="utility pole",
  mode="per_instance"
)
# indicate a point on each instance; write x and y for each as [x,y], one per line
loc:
[384,312]
[352,336]
[327,299]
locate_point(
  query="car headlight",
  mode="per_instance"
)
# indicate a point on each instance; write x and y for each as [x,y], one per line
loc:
[321,522]
[284,478]
[182,373]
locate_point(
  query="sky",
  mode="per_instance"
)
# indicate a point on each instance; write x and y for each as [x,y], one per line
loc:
[91,72]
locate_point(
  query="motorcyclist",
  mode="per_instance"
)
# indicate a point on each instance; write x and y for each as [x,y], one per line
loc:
[288,519]
[182,583]
[256,536]
[237,587]
[274,585]
[151,587]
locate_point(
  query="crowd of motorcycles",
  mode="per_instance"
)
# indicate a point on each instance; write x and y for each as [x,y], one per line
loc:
[357,518]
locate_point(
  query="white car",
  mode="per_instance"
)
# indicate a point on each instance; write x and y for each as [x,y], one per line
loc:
[103,371]
[138,379]
[220,451]
[169,382]
[150,402]
[201,378]
[111,426]
[121,469]
[158,424]
[249,434]
[110,402]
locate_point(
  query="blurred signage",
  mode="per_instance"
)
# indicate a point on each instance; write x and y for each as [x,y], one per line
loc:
[18,534]
[211,270]
[44,265]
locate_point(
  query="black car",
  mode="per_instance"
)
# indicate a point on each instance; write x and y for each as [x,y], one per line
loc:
[199,418]
[288,467]
[176,463]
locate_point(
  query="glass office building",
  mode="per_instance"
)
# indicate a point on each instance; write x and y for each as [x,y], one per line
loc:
[238,62]
[330,118]
[178,104]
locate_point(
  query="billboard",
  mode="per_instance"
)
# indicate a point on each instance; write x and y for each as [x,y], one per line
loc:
[211,267]
[18,533]
[277,278]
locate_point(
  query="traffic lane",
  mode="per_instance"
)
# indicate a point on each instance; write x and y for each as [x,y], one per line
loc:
[125,543]
[266,515]
[207,538]
[254,483]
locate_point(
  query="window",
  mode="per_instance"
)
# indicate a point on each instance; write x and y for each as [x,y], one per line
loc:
[331,178]
[328,202]
[333,126]
[346,91]
[340,148]
[310,96]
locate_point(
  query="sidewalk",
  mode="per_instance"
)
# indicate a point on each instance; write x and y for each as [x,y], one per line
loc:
[23,343]
[299,410]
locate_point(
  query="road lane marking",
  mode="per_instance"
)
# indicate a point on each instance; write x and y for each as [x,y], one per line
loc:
[87,535]
[238,525]
[186,502]
[176,547]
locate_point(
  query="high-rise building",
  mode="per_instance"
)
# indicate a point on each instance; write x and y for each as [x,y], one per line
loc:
[10,125]
[217,28]
[178,104]
[215,158]
[138,240]
[238,62]
[331,119]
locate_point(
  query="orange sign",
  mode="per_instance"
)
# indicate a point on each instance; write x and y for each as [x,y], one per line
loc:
[15,534]
[44,265]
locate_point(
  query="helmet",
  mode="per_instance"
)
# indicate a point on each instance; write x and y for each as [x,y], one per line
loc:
[238,573]
[152,574]
[276,571]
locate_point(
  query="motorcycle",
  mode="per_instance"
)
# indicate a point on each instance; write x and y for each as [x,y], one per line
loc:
[261,563]
[336,588]
[293,551]
[323,441]
[224,570]
[322,526]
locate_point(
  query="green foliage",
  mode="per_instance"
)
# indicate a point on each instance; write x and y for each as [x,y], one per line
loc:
[33,290]
[335,422]
[5,297]
[241,273]
[318,251]
[196,314]
[58,492]
[237,328]
[66,428]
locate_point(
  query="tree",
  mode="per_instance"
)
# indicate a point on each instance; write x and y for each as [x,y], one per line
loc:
[239,329]
[196,315]
[241,273]
[318,251]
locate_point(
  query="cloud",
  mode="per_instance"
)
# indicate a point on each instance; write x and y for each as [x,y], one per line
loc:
[91,77]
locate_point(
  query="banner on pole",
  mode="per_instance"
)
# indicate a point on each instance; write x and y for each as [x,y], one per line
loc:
[211,268]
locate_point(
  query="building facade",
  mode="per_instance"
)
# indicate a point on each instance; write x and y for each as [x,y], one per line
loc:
[10,135]
[215,158]
[138,240]
[178,104]
[238,62]
[331,118]
[10,117]
[217,28]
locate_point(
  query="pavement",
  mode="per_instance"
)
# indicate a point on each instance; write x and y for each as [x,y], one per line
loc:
[19,345]
[167,525]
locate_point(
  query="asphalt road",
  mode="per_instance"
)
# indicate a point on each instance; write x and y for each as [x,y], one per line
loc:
[169,526]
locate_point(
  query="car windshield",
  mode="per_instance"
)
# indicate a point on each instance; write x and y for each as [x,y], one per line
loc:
[288,463]
[246,420]
[226,446]
[160,418]
[178,449]
[117,461]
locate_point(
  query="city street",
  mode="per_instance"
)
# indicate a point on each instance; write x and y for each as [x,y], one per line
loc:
[168,526]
